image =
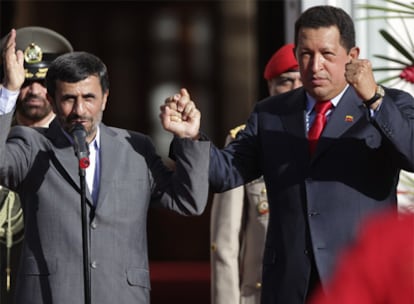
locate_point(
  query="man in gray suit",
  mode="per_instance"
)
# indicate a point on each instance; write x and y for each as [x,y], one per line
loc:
[124,179]
[318,198]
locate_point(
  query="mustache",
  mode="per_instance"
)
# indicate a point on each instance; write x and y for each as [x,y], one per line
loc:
[33,96]
[74,117]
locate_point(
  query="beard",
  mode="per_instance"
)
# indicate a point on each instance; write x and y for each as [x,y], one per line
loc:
[34,112]
[91,123]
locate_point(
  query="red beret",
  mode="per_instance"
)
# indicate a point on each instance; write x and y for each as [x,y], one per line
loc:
[282,61]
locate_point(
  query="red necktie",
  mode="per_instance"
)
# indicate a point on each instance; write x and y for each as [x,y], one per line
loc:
[319,123]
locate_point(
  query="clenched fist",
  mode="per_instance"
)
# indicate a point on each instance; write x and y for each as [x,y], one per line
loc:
[358,73]
[180,116]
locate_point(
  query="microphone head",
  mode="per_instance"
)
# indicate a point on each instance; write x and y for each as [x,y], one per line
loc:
[79,129]
[80,145]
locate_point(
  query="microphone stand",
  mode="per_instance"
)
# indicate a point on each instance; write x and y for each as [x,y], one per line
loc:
[82,152]
[85,237]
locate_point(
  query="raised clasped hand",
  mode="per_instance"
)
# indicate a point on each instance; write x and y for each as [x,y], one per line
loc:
[180,116]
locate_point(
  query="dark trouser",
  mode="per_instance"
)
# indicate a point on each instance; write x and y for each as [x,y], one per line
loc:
[314,280]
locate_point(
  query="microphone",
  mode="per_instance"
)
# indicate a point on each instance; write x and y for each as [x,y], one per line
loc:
[78,133]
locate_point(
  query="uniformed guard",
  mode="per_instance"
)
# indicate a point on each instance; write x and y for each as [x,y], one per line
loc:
[40,47]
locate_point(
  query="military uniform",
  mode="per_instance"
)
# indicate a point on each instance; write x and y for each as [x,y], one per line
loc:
[40,47]
[11,235]
[239,220]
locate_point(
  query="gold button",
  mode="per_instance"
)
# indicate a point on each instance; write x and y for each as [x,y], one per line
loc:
[213,247]
[258,285]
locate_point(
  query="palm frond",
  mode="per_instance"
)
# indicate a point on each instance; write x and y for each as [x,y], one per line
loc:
[402,36]
[387,79]
[403,4]
[406,10]
[393,60]
[387,9]
[399,37]
[397,45]
[387,69]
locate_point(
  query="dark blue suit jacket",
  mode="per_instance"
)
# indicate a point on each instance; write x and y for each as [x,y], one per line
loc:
[317,204]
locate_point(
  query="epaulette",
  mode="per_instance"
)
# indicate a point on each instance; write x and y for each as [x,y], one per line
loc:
[233,132]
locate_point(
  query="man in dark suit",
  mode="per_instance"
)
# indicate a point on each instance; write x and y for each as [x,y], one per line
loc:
[239,216]
[125,178]
[317,199]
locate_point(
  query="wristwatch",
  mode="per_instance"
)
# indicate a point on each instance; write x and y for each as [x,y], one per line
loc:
[379,93]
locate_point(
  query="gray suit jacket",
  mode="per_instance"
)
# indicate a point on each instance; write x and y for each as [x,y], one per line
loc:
[318,203]
[41,166]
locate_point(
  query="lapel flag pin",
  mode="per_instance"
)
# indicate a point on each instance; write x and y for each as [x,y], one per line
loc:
[349,118]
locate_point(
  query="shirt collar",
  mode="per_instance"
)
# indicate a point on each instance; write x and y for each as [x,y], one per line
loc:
[310,101]
[97,139]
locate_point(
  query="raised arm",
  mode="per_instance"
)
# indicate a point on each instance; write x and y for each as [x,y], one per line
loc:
[180,116]
[13,67]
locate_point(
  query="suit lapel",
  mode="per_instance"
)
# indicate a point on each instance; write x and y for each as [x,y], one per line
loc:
[66,162]
[294,124]
[63,156]
[107,162]
[347,113]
